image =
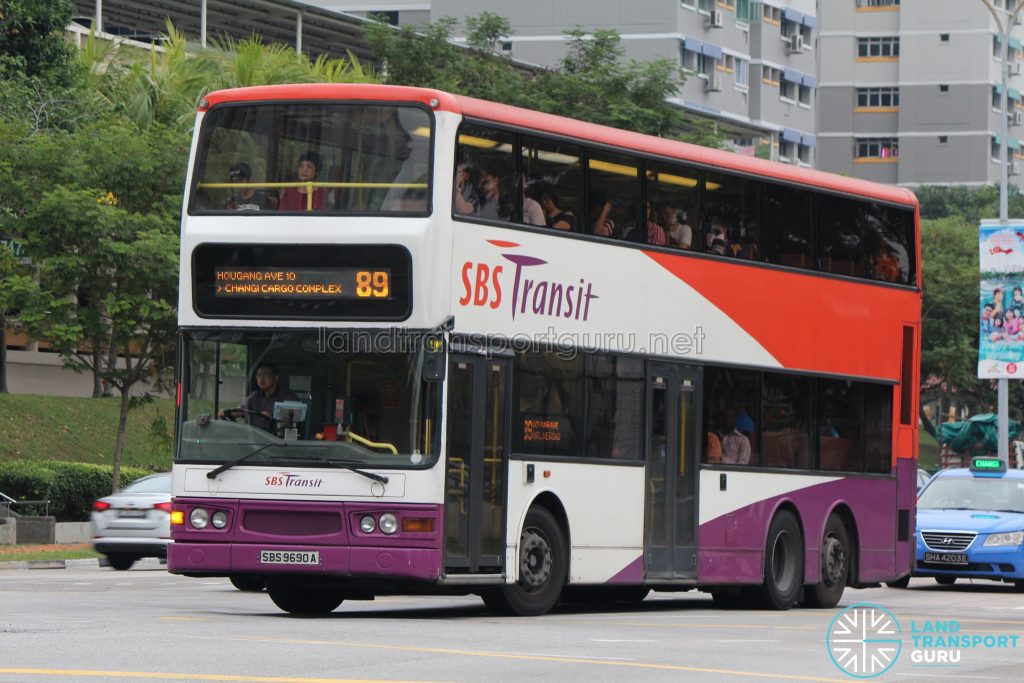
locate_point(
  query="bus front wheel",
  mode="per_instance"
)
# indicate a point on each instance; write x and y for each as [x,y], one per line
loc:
[783,564]
[307,598]
[543,566]
[835,566]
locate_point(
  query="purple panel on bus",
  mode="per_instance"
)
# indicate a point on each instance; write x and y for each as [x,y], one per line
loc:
[732,545]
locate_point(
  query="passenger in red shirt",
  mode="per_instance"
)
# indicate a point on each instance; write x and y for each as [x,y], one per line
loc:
[295,198]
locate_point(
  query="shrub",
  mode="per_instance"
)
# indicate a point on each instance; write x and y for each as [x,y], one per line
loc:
[70,487]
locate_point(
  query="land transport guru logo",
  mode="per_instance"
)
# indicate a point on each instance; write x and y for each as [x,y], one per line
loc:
[486,284]
[865,640]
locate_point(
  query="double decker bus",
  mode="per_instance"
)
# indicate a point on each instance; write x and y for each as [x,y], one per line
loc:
[432,344]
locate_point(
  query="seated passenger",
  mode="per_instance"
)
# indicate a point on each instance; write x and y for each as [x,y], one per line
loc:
[557,217]
[677,232]
[735,444]
[885,265]
[465,189]
[718,238]
[600,214]
[489,204]
[246,198]
[655,233]
[296,198]
[533,214]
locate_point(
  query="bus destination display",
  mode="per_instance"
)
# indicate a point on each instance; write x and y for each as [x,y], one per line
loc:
[270,282]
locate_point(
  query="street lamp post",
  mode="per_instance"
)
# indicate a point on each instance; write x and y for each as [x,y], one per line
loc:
[1002,394]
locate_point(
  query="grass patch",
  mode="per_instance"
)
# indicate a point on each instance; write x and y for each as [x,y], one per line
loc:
[928,453]
[21,553]
[84,430]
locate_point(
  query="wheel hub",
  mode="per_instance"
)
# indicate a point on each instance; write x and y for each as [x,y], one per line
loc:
[835,561]
[536,563]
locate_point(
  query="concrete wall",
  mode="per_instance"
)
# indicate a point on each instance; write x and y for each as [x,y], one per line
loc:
[8,530]
[36,530]
[73,532]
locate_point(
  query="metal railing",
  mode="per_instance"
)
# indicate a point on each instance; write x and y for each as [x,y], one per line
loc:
[6,502]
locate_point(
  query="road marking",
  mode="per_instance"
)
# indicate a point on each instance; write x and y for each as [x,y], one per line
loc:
[169,676]
[623,640]
[748,640]
[538,658]
[184,618]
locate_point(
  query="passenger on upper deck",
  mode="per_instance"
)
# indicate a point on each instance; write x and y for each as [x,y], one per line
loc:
[677,232]
[600,213]
[533,214]
[246,198]
[655,233]
[295,198]
[558,218]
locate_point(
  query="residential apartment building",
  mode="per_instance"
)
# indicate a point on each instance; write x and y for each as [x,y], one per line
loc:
[910,91]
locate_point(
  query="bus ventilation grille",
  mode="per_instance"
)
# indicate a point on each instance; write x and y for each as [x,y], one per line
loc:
[903,525]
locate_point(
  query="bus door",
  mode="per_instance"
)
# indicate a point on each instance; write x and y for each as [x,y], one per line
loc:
[673,441]
[477,459]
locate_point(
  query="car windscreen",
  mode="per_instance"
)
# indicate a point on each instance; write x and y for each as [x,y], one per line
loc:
[153,484]
[973,493]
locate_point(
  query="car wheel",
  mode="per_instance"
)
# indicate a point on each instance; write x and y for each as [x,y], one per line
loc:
[783,564]
[543,566]
[304,598]
[945,580]
[120,561]
[899,583]
[835,566]
[1018,586]
[247,582]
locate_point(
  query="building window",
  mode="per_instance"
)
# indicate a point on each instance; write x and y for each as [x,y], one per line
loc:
[944,37]
[741,72]
[803,95]
[728,64]
[878,3]
[943,89]
[692,4]
[788,90]
[877,98]
[770,76]
[878,48]
[943,139]
[771,15]
[878,148]
[745,10]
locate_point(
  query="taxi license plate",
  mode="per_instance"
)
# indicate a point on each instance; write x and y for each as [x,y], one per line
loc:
[289,557]
[946,558]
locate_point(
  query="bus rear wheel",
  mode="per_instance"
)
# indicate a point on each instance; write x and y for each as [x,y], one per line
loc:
[783,564]
[543,566]
[300,597]
[835,566]
[247,582]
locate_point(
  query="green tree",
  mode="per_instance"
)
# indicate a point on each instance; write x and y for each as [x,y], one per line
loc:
[949,334]
[107,279]
[32,43]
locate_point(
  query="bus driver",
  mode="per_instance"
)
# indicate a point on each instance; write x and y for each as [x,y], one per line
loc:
[259,405]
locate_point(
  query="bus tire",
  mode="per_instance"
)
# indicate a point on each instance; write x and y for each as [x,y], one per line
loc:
[298,597]
[543,567]
[783,564]
[247,582]
[835,566]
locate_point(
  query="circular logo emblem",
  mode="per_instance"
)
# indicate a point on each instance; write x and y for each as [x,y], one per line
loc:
[864,640]
[1011,368]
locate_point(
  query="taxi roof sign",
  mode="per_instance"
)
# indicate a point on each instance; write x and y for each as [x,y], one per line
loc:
[984,464]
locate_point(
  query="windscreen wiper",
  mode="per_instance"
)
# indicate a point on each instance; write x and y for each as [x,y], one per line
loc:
[212,474]
[351,466]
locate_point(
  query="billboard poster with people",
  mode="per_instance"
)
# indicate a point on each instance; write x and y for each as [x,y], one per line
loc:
[1001,304]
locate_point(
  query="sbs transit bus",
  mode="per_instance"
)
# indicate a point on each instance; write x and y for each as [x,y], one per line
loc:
[692,370]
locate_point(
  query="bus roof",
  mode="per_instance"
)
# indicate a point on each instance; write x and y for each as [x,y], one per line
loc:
[571,128]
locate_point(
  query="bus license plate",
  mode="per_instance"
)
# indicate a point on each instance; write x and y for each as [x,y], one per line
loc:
[946,558]
[289,557]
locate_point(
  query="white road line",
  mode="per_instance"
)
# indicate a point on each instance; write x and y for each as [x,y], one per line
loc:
[609,640]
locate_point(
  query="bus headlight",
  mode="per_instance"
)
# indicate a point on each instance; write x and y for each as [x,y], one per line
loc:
[199,518]
[388,523]
[1010,538]
[367,524]
[219,520]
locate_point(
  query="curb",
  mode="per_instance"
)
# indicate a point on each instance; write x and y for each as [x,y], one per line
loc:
[73,564]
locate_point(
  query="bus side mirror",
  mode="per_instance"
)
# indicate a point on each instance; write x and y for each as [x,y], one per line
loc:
[434,363]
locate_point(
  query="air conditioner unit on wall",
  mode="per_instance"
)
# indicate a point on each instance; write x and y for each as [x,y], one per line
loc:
[1016,118]
[1013,168]
[1017,68]
[714,19]
[713,83]
[796,43]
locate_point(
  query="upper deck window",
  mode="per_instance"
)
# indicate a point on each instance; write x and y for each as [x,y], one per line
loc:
[314,157]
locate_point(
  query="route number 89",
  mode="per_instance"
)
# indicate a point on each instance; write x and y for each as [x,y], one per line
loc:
[373,284]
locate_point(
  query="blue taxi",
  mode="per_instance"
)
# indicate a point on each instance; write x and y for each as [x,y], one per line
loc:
[970,524]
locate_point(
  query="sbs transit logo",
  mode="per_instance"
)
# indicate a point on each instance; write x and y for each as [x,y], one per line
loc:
[485,284]
[864,640]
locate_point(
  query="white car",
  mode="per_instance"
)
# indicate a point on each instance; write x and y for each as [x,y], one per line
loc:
[135,522]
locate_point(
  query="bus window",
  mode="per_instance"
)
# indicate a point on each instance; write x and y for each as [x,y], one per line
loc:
[789,226]
[485,169]
[888,240]
[549,403]
[878,428]
[675,198]
[615,391]
[840,425]
[841,243]
[732,216]
[787,411]
[613,205]
[333,158]
[554,177]
[732,413]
